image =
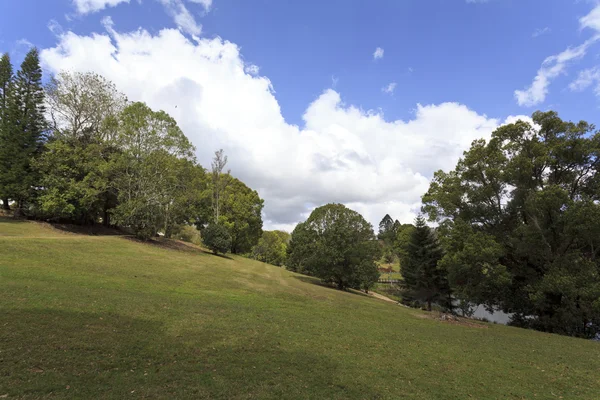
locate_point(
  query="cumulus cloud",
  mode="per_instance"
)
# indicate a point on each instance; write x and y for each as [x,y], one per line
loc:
[378,53]
[90,6]
[389,89]
[556,65]
[341,153]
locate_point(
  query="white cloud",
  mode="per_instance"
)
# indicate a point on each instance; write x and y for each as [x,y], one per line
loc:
[206,3]
[182,17]
[389,88]
[552,67]
[540,31]
[378,53]
[556,65]
[55,27]
[591,20]
[341,154]
[587,78]
[24,42]
[90,6]
[252,69]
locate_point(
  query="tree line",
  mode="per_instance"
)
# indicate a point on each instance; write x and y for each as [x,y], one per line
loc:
[517,220]
[76,150]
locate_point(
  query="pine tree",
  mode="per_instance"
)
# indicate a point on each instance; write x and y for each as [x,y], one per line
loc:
[385,227]
[6,76]
[423,280]
[23,130]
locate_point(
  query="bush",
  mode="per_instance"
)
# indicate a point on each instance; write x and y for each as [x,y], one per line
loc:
[188,234]
[217,238]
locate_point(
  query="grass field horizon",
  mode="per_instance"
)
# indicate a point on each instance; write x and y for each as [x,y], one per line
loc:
[86,316]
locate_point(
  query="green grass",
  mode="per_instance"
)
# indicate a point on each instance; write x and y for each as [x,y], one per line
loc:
[107,317]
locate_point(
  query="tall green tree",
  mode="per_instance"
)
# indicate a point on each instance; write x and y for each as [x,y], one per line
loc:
[337,245]
[6,77]
[519,217]
[386,229]
[74,168]
[148,169]
[241,213]
[220,181]
[424,281]
[23,131]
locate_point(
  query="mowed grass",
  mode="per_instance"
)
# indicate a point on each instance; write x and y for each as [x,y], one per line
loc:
[107,317]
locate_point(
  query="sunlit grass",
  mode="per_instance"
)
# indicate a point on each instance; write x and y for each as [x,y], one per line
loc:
[108,317]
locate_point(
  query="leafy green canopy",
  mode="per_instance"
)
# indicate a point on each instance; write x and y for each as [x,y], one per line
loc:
[271,247]
[337,245]
[520,222]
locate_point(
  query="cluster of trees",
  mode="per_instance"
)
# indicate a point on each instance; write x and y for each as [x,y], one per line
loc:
[519,221]
[393,237]
[338,246]
[272,248]
[76,150]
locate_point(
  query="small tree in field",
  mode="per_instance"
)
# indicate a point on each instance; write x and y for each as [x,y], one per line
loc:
[337,245]
[217,238]
[424,281]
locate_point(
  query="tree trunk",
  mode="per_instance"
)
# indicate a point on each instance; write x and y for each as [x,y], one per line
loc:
[5,205]
[428,305]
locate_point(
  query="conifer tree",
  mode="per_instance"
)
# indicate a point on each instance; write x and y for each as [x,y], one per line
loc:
[6,76]
[423,280]
[24,129]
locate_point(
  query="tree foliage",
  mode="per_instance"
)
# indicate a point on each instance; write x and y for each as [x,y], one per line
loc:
[23,128]
[520,220]
[216,238]
[271,247]
[337,245]
[424,281]
[154,157]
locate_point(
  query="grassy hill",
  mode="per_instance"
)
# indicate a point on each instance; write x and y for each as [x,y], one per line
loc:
[108,317]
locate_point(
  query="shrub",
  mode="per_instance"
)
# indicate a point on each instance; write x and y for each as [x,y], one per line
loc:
[188,234]
[217,238]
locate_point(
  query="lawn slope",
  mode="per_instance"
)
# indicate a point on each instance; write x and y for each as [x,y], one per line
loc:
[108,317]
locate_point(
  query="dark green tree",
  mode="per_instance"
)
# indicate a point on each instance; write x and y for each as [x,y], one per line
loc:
[216,238]
[424,281]
[6,77]
[520,222]
[337,245]
[240,211]
[23,131]
[386,229]
[74,168]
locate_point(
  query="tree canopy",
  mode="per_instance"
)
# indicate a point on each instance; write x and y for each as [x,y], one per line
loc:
[520,221]
[337,245]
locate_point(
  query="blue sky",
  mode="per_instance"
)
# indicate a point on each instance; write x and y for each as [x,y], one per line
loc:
[319,55]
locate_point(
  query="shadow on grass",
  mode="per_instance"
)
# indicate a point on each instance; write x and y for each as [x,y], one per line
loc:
[316,281]
[11,220]
[92,230]
[59,353]
[177,245]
